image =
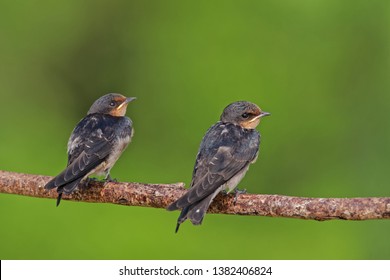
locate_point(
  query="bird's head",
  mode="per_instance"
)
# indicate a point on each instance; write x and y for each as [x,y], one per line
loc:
[244,114]
[113,104]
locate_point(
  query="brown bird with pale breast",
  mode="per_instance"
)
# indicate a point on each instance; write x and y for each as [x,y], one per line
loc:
[96,143]
[224,156]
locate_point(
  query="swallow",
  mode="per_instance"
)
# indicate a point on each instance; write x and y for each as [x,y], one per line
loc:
[224,156]
[96,143]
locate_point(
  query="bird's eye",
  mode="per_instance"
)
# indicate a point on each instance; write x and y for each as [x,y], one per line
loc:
[112,104]
[245,115]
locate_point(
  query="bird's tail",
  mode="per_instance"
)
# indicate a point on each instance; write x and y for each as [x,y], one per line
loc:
[182,217]
[71,186]
[67,189]
[173,206]
[59,198]
[197,211]
[51,184]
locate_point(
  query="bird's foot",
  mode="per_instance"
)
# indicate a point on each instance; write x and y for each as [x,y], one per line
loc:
[237,192]
[109,179]
[87,183]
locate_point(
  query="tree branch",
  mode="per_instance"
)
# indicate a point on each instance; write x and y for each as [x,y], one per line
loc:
[161,195]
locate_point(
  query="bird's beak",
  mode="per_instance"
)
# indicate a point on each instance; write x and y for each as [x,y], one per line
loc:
[264,114]
[127,101]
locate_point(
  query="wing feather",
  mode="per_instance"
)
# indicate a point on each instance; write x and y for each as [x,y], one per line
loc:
[221,156]
[87,147]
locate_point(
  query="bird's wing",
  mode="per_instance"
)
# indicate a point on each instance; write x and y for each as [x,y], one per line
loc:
[212,174]
[89,145]
[221,157]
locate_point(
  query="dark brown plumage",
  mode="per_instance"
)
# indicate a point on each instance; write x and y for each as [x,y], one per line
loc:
[96,143]
[224,156]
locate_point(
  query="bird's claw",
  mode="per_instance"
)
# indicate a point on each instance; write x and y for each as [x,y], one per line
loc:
[110,180]
[87,183]
[237,192]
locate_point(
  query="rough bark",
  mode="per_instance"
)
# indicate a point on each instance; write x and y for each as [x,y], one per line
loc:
[161,195]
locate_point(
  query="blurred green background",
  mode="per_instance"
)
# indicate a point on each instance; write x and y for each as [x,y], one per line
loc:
[320,67]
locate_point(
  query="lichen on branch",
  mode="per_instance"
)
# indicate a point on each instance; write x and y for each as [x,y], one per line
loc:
[161,195]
